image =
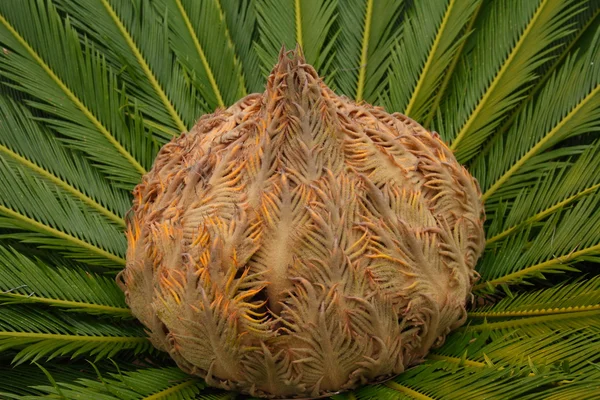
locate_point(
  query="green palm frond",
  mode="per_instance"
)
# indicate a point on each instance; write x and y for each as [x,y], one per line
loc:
[31,146]
[129,384]
[368,30]
[558,188]
[42,334]
[25,280]
[291,22]
[581,296]
[136,41]
[433,32]
[53,219]
[439,380]
[564,238]
[200,39]
[22,380]
[507,58]
[549,120]
[83,95]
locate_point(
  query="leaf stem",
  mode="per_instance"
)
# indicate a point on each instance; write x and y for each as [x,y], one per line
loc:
[144,65]
[170,391]
[60,234]
[364,52]
[529,313]
[201,54]
[122,311]
[64,185]
[406,390]
[298,14]
[430,58]
[513,323]
[84,338]
[516,276]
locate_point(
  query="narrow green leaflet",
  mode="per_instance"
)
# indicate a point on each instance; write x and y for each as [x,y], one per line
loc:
[511,39]
[290,22]
[41,334]
[433,32]
[81,95]
[24,280]
[368,31]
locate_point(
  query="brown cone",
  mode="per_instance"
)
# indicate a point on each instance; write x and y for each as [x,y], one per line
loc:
[297,243]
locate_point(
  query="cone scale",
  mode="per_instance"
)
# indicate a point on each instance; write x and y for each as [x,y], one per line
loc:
[298,244]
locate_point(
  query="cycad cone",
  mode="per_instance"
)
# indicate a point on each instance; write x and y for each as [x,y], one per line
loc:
[297,243]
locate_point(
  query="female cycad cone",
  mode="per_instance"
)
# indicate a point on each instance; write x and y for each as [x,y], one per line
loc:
[298,243]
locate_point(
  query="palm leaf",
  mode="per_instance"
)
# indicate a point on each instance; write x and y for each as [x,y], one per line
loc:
[146,383]
[83,95]
[28,280]
[202,42]
[564,238]
[31,146]
[52,219]
[476,104]
[41,334]
[132,42]
[19,381]
[557,189]
[589,21]
[549,121]
[433,32]
[436,380]
[306,23]
[368,30]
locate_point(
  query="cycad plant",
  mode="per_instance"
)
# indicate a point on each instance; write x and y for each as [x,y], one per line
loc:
[91,90]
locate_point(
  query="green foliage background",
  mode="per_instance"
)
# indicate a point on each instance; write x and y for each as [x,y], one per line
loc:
[92,88]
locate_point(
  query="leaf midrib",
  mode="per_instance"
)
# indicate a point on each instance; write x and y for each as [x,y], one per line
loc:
[430,58]
[60,234]
[70,304]
[145,67]
[364,52]
[64,185]
[515,276]
[171,390]
[406,390]
[72,338]
[530,321]
[201,54]
[529,313]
